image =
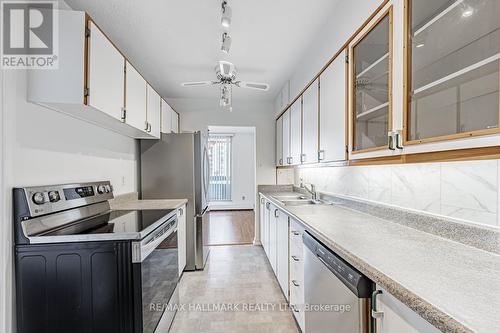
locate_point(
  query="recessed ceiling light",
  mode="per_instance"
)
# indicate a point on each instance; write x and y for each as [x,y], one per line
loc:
[468,12]
[226,15]
[420,45]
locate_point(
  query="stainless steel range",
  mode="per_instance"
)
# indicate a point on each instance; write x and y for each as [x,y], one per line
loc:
[82,266]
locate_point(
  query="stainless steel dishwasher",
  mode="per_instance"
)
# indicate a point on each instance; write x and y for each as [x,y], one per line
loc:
[337,296]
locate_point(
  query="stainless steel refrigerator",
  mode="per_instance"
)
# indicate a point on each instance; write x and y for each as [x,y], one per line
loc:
[177,166]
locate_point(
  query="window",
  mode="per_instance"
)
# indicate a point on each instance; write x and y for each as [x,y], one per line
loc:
[220,159]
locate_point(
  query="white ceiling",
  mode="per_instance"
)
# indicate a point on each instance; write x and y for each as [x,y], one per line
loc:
[171,42]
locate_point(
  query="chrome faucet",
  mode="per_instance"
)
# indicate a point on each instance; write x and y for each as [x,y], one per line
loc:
[312,191]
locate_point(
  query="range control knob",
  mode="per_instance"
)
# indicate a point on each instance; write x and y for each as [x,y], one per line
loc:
[38,198]
[101,189]
[54,196]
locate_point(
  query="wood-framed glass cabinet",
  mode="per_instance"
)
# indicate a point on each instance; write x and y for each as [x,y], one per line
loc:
[370,93]
[452,63]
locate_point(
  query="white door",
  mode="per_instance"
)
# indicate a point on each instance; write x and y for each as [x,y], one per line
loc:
[181,233]
[286,137]
[153,112]
[166,117]
[310,124]
[135,98]
[332,108]
[105,74]
[175,121]
[295,132]
[282,252]
[279,141]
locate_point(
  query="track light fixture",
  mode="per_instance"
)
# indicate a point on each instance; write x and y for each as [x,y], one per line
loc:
[226,42]
[226,15]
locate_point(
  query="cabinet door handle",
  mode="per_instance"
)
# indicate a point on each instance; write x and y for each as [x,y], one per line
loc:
[376,313]
[267,205]
[295,258]
[295,233]
[290,160]
[262,200]
[302,158]
[280,161]
[124,115]
[294,308]
[181,211]
[321,155]
[399,140]
[295,283]
[276,213]
[390,142]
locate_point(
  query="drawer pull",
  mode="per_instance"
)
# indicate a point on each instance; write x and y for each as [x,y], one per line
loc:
[295,233]
[294,308]
[295,258]
[295,283]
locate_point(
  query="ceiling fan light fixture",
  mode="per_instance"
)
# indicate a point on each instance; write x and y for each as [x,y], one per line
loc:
[227,13]
[226,43]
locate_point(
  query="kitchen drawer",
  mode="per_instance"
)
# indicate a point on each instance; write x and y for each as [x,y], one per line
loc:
[296,269]
[297,250]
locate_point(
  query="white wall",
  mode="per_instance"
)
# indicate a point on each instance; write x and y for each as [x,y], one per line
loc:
[45,147]
[201,113]
[243,190]
[345,19]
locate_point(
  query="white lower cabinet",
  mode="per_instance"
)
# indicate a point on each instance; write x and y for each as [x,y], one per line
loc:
[395,317]
[282,252]
[273,241]
[181,234]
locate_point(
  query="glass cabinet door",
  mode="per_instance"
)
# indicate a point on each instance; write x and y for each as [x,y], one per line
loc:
[453,69]
[372,84]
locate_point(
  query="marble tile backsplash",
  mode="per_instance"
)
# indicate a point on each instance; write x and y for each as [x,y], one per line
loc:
[463,190]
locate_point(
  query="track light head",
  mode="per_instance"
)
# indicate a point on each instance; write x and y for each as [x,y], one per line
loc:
[226,43]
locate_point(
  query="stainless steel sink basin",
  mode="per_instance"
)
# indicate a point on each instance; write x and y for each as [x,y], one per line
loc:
[290,197]
[300,202]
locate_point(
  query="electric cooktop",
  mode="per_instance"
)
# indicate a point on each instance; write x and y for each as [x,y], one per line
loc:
[114,221]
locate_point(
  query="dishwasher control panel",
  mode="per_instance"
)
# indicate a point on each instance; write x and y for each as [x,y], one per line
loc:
[351,277]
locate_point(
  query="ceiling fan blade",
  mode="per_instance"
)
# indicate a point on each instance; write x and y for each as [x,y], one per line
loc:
[198,83]
[253,85]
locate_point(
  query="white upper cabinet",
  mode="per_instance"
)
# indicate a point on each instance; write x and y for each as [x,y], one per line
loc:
[175,121]
[105,74]
[89,83]
[153,112]
[310,124]
[295,132]
[166,117]
[286,137]
[332,111]
[135,98]
[279,141]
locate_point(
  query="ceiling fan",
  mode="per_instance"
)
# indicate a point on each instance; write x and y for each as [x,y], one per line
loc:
[226,77]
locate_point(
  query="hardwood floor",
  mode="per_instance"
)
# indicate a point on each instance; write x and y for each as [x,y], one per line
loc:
[230,227]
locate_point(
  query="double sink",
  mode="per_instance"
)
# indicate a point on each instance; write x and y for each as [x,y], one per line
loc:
[300,200]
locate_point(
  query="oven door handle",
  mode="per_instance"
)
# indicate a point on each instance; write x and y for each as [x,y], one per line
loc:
[141,250]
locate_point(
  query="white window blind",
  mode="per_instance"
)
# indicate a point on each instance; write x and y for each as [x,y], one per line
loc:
[220,159]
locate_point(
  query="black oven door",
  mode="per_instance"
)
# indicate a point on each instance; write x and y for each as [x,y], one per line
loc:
[156,278]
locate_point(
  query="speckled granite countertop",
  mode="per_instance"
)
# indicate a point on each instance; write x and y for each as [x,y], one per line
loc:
[130,201]
[454,286]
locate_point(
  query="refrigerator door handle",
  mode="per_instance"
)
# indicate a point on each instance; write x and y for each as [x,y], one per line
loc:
[206,172]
